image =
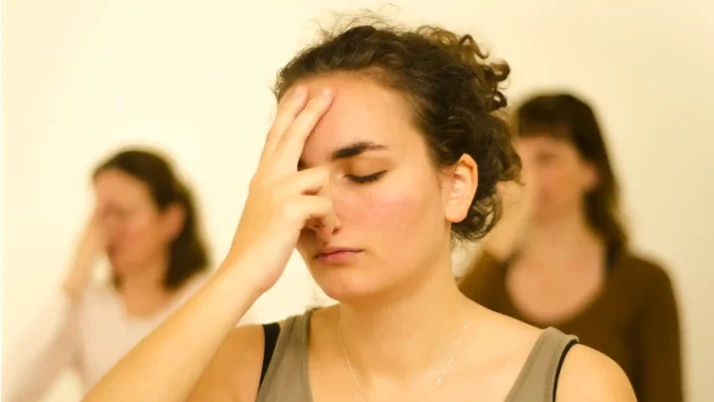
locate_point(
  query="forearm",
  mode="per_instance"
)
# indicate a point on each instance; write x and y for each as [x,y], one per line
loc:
[46,348]
[77,276]
[169,362]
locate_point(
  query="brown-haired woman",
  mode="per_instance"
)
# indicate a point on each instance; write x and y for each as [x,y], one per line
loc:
[384,150]
[146,224]
[560,256]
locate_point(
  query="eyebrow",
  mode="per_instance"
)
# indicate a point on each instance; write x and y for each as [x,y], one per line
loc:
[350,151]
[356,149]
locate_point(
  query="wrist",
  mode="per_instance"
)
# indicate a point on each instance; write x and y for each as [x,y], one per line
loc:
[244,274]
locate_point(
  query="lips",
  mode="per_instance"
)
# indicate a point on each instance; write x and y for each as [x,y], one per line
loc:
[337,255]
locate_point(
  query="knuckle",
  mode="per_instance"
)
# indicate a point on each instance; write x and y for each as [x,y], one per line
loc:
[328,205]
[276,194]
[324,172]
[260,183]
[289,210]
[319,172]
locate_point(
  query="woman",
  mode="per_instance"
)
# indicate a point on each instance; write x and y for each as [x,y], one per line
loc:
[560,257]
[385,148]
[146,224]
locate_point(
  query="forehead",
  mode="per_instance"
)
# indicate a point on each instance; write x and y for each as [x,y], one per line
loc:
[362,111]
[113,184]
[541,141]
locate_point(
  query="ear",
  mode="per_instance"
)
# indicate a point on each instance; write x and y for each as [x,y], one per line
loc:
[460,188]
[173,219]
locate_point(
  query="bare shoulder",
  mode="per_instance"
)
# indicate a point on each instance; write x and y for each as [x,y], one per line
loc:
[234,373]
[588,375]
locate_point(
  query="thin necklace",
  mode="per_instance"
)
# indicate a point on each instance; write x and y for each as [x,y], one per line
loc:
[438,382]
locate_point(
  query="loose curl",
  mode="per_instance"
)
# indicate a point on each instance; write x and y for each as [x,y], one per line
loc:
[454,90]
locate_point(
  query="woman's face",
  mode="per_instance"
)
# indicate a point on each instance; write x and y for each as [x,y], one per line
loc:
[391,203]
[559,175]
[138,234]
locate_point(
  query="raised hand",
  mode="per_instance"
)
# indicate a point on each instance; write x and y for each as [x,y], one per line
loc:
[91,245]
[282,200]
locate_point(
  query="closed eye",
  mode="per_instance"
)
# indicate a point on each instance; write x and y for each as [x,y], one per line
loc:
[366,179]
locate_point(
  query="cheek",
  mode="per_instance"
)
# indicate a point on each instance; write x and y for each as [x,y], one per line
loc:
[385,210]
[374,210]
[561,182]
[137,231]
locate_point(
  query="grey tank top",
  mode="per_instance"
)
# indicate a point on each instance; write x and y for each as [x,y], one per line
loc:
[286,378]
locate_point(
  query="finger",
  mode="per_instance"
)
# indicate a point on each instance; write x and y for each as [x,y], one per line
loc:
[323,227]
[291,144]
[307,182]
[288,109]
[305,208]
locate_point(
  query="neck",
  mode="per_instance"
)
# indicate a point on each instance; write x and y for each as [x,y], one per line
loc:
[143,289]
[406,335]
[563,238]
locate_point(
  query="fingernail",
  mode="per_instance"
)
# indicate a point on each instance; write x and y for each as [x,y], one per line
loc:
[299,92]
[325,92]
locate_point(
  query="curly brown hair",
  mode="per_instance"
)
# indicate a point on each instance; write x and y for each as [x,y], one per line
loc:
[453,89]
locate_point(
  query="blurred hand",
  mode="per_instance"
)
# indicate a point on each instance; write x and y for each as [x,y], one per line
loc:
[282,200]
[91,245]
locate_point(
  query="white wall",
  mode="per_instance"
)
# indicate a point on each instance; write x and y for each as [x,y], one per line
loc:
[81,78]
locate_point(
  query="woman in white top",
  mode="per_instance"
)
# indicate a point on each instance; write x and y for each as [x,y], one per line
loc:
[146,224]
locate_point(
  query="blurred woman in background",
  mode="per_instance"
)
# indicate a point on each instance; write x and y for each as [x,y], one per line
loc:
[560,255]
[145,222]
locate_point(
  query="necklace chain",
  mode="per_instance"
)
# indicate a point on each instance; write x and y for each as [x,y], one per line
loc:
[438,382]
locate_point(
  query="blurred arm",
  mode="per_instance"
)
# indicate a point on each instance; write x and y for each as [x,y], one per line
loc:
[167,365]
[44,351]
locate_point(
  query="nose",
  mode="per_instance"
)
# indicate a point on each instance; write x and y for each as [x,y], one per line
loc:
[324,228]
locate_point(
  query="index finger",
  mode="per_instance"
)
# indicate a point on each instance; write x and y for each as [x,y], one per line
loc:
[290,148]
[289,108]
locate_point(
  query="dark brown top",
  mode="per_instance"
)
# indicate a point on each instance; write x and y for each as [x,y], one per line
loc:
[634,320]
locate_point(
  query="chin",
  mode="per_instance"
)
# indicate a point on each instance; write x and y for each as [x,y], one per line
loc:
[122,266]
[344,284]
[354,286]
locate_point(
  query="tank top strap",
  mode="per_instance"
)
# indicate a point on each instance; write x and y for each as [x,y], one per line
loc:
[287,377]
[537,381]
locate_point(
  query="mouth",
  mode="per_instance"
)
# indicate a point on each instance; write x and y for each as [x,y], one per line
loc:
[337,255]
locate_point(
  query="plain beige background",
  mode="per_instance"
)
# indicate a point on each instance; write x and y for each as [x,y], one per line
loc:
[81,78]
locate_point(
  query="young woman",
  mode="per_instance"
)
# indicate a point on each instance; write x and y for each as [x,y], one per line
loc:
[385,149]
[146,224]
[561,258]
